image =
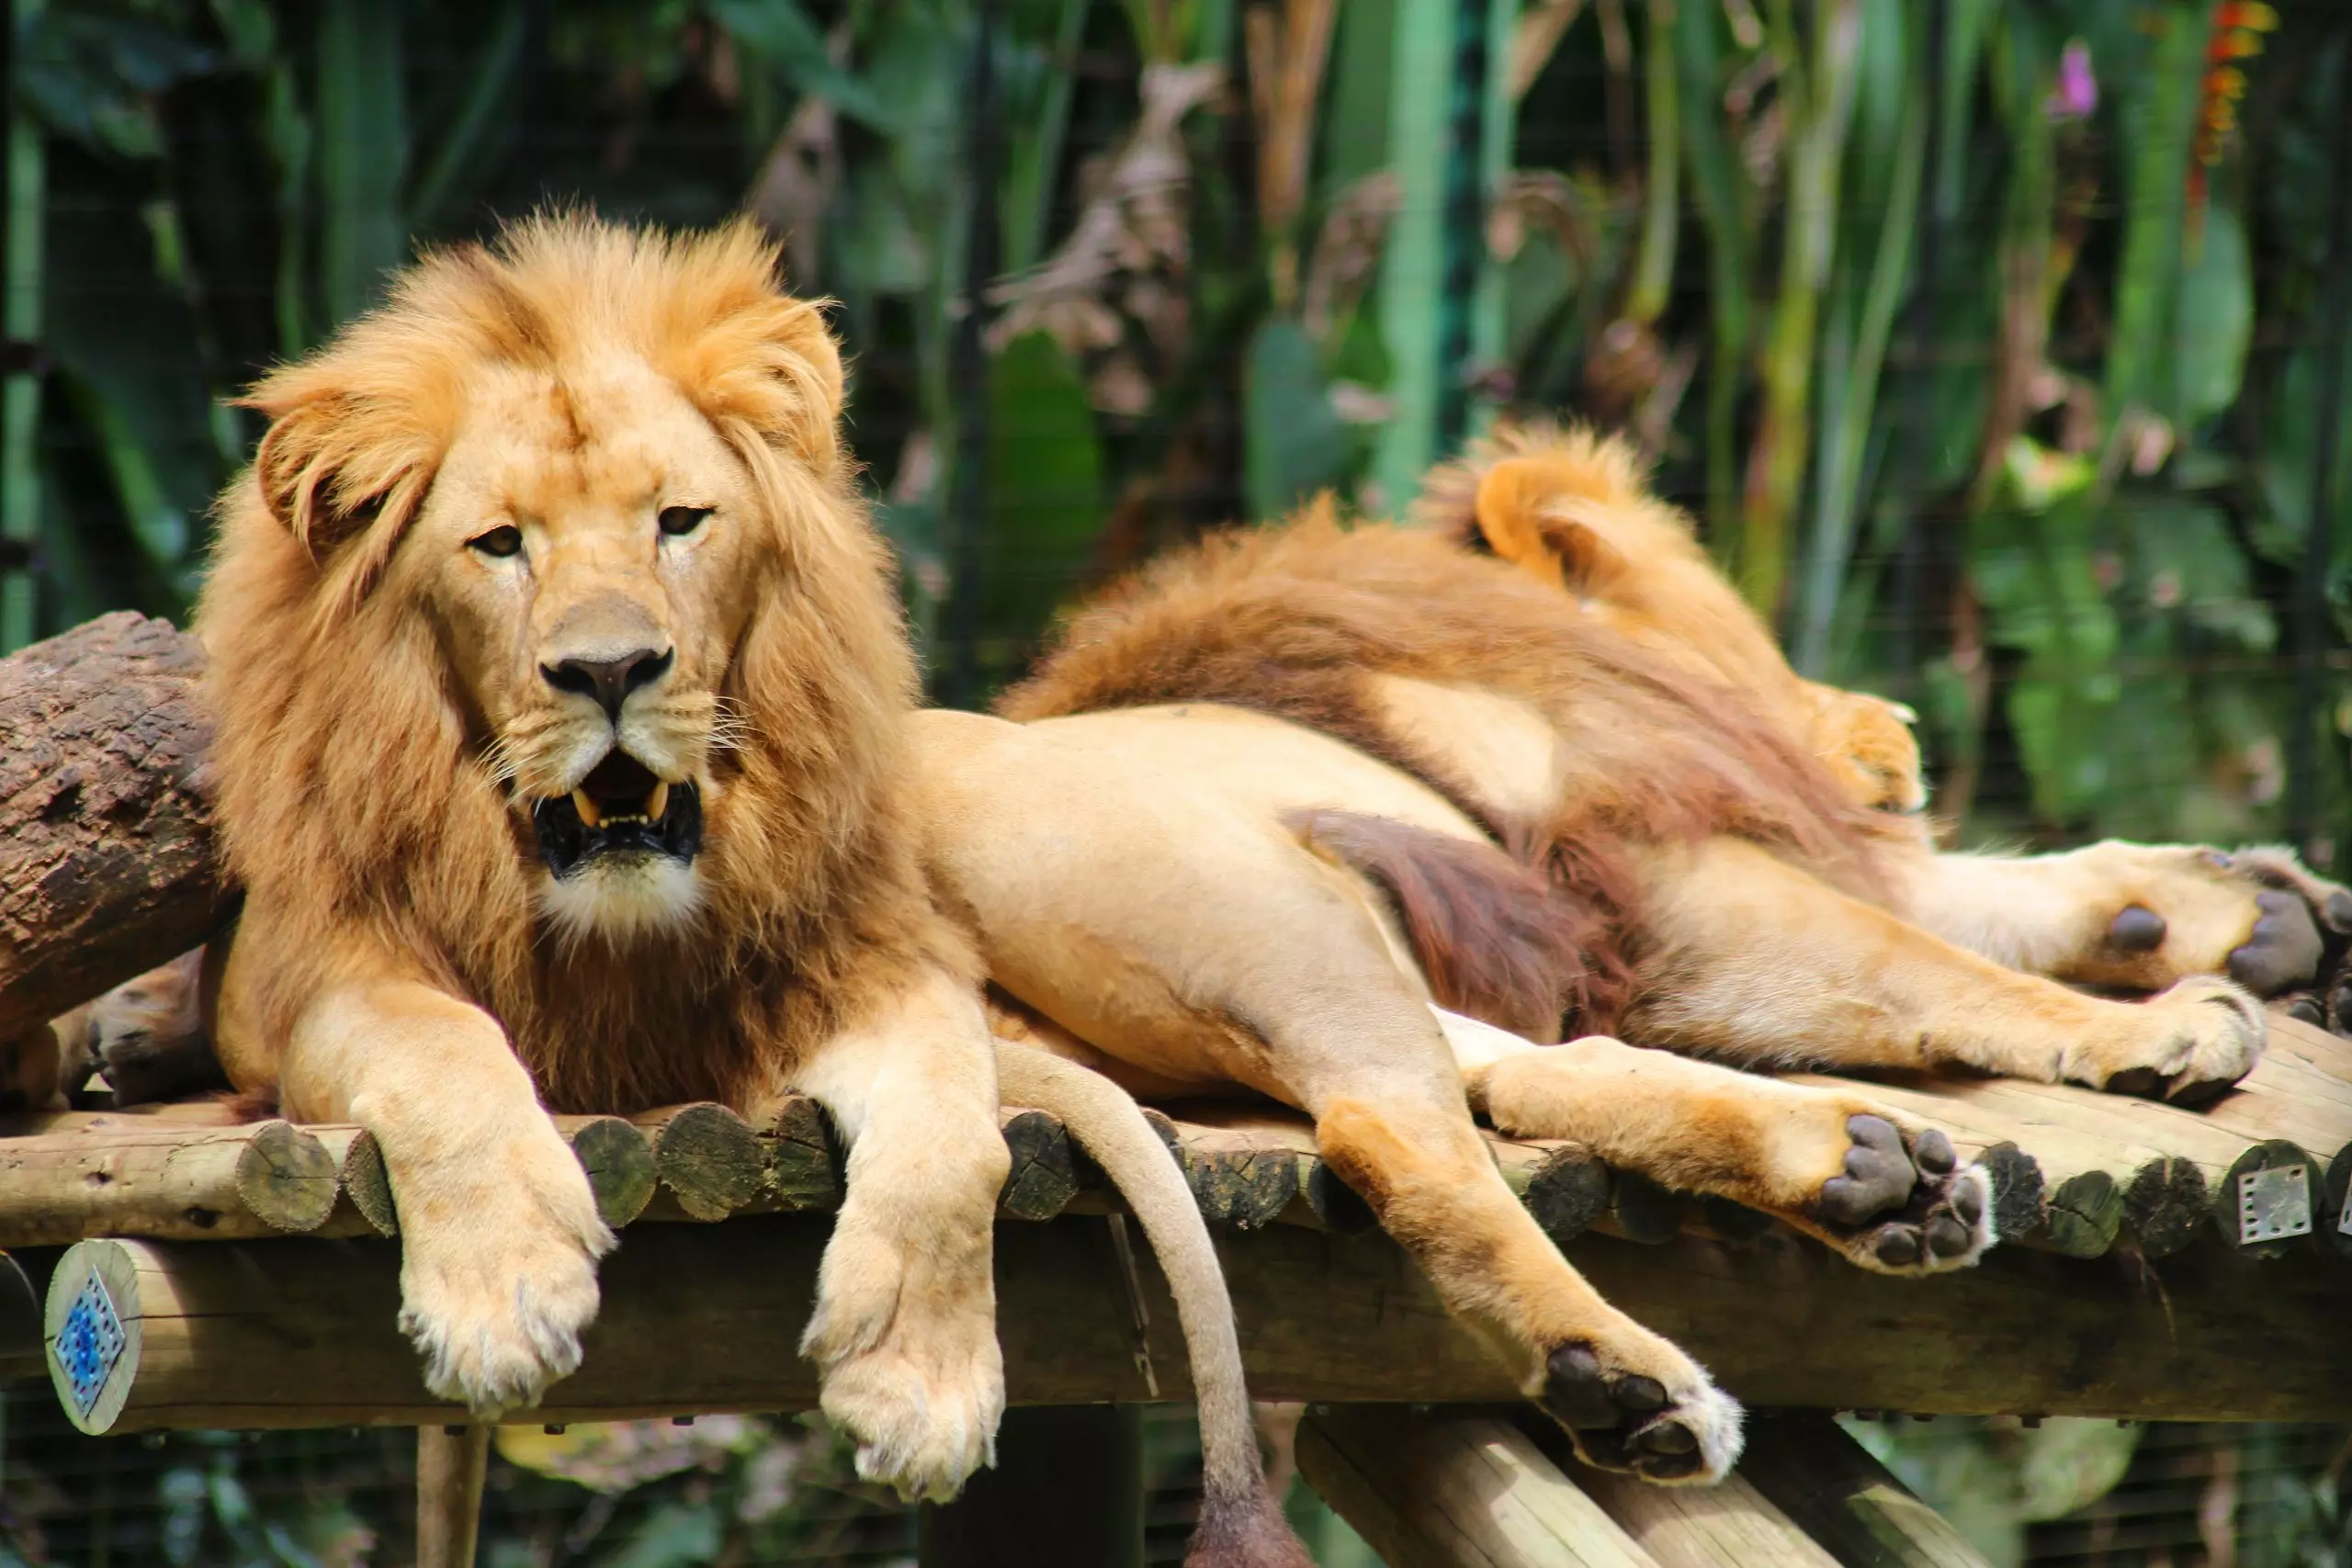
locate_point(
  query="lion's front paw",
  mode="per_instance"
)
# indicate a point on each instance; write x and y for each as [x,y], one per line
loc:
[908,1362]
[498,1283]
[2186,1046]
[1905,1203]
[1650,1410]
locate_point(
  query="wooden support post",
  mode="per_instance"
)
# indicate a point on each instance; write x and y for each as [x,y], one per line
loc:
[1067,1492]
[1846,1500]
[106,840]
[1452,1490]
[450,1464]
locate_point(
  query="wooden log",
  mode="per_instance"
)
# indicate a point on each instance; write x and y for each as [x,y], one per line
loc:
[1730,1525]
[300,1332]
[2082,1215]
[153,1177]
[616,1156]
[1043,1177]
[1644,1210]
[1848,1502]
[105,836]
[451,1464]
[1451,1490]
[707,1159]
[1240,1178]
[803,1169]
[2165,1205]
[1566,1190]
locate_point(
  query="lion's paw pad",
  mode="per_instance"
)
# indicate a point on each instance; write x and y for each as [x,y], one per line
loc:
[1629,1421]
[1905,1203]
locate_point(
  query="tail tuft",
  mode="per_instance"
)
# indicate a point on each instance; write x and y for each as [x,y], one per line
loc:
[1245,1530]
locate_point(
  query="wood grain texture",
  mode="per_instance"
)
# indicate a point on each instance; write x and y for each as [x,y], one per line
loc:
[105,836]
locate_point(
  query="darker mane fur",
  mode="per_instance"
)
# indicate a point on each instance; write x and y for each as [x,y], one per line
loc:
[1292,620]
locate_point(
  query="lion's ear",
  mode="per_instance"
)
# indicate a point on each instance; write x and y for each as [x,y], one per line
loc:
[1521,516]
[304,471]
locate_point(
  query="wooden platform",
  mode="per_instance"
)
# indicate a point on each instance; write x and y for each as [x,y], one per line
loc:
[255,1283]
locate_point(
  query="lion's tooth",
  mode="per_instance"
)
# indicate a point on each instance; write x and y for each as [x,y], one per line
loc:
[587,808]
[659,801]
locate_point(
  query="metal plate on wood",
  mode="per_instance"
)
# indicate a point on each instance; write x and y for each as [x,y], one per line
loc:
[89,1343]
[2274,1204]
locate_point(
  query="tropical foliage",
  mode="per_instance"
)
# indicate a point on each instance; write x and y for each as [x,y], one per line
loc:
[1997,346]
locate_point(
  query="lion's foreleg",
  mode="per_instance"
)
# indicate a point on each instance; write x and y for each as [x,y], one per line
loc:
[1759,963]
[499,1231]
[1888,1195]
[904,1332]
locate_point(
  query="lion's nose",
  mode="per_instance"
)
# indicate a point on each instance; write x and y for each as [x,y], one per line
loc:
[610,680]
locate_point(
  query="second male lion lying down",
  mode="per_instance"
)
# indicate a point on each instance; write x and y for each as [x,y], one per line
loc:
[1568,507]
[1349,819]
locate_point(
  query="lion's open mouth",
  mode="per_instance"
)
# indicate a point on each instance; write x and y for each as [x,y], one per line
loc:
[620,808]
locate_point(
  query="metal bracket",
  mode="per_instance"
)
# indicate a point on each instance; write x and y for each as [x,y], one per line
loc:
[89,1343]
[2274,1204]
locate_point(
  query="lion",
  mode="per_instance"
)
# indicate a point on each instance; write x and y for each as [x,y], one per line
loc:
[1354,818]
[561,695]
[1570,507]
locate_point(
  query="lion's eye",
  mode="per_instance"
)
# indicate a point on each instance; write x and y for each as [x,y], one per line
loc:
[501,541]
[679,520]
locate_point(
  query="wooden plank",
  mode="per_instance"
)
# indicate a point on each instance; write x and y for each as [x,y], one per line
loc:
[165,1180]
[300,1332]
[1846,1500]
[1455,1491]
[1731,1525]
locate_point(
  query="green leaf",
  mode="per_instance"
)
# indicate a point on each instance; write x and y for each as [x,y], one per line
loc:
[1045,491]
[675,1535]
[2159,118]
[1294,442]
[782,37]
[2215,319]
[362,151]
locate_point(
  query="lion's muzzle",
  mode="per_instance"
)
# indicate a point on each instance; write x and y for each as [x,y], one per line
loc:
[621,810]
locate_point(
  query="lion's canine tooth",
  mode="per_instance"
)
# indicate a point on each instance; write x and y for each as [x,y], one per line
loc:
[587,808]
[659,801]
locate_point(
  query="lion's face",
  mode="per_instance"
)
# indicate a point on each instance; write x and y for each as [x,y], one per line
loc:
[591,555]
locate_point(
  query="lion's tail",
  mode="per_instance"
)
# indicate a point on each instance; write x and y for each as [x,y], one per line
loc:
[1241,1527]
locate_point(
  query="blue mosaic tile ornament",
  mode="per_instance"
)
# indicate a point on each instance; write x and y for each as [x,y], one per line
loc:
[88,1343]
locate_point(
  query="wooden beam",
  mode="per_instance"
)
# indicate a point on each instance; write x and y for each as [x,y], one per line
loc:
[1848,1501]
[300,1332]
[1455,1489]
[106,840]
[1731,1525]
[451,1463]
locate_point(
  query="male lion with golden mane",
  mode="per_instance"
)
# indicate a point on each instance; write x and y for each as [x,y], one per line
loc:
[1355,818]
[561,694]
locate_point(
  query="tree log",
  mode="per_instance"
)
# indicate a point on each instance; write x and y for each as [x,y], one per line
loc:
[700,1318]
[106,838]
[1834,1491]
[1731,1525]
[141,1176]
[1456,1491]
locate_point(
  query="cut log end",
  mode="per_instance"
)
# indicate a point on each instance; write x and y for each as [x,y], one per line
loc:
[620,1164]
[286,1177]
[1044,1176]
[1567,1193]
[706,1157]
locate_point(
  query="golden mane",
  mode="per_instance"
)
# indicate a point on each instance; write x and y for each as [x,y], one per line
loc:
[357,789]
[1291,619]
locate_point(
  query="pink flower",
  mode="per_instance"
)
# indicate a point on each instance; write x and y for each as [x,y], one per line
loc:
[2076,92]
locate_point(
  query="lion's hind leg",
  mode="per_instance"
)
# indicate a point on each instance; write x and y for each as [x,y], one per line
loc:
[1886,1194]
